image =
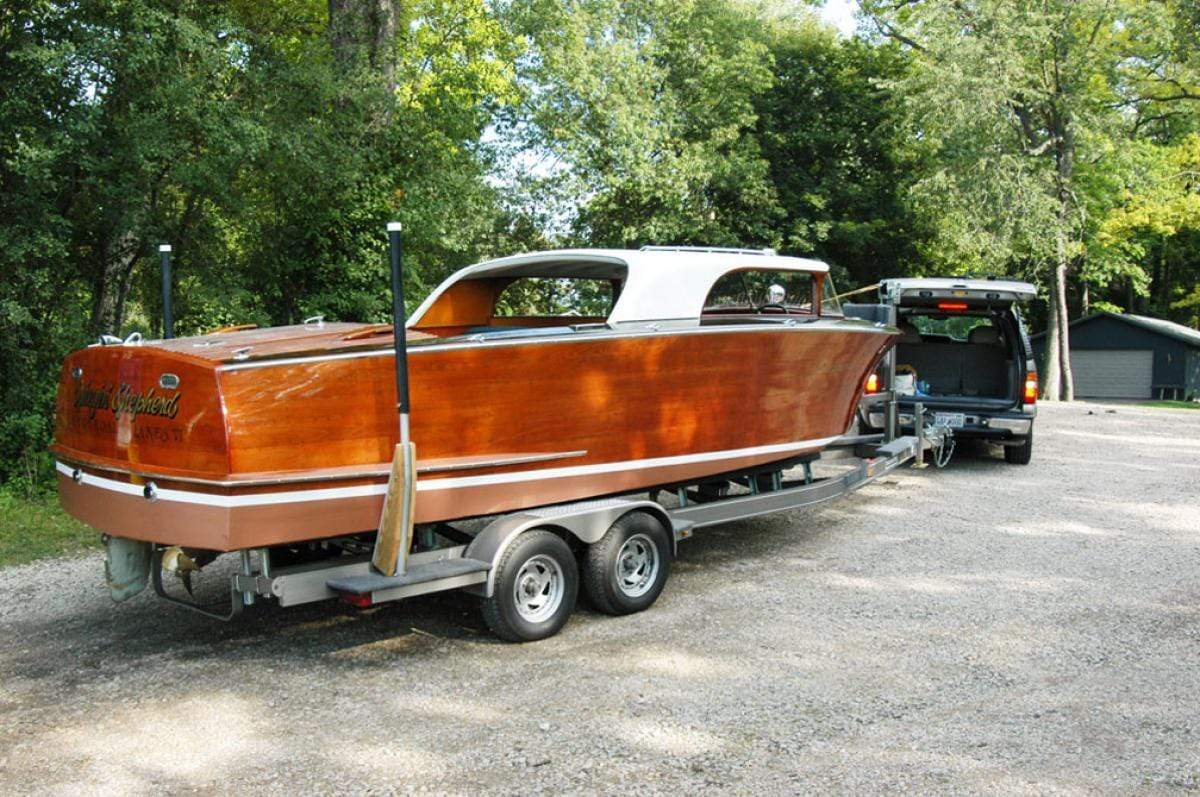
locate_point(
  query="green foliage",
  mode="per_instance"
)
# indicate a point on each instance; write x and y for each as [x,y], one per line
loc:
[227,130]
[32,526]
[645,112]
[829,131]
[984,137]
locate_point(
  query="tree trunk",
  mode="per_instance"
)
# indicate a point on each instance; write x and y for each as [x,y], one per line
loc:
[112,284]
[1064,162]
[1064,331]
[1052,378]
[363,33]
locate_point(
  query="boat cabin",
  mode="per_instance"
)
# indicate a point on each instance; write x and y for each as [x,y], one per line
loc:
[556,292]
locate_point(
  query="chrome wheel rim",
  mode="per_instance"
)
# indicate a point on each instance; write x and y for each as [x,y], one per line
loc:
[637,566]
[538,588]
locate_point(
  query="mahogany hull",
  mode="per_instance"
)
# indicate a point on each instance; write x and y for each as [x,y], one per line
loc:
[269,451]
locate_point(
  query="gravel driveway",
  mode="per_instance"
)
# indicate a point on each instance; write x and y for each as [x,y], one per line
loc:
[987,628]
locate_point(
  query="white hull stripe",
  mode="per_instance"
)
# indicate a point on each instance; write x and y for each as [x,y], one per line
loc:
[362,490]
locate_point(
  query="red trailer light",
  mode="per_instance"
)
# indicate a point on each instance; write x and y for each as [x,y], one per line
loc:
[1031,388]
[359,600]
[872,385]
[952,306]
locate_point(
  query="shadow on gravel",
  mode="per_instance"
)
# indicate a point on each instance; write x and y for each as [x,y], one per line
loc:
[95,634]
[99,635]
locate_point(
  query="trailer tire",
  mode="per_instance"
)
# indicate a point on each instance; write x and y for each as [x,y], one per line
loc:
[625,571]
[1020,455]
[537,582]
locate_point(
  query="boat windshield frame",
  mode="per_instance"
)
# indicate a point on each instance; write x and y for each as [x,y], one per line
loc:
[654,285]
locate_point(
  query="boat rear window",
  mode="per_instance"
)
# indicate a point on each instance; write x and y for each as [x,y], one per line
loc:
[555,296]
[749,290]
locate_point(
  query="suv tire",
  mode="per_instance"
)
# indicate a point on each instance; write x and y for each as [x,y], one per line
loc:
[1020,455]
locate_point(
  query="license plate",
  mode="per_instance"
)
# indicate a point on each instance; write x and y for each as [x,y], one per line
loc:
[954,420]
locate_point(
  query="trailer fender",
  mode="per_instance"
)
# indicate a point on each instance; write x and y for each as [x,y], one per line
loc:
[586,521]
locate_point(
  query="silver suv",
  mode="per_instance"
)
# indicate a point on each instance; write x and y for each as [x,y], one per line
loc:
[965,355]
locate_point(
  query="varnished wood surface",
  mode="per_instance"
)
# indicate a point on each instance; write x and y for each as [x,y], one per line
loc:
[192,443]
[615,398]
[618,398]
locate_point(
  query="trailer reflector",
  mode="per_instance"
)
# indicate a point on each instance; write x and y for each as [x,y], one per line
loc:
[359,600]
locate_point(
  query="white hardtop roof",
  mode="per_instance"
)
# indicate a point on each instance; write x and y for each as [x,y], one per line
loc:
[659,284]
[1020,290]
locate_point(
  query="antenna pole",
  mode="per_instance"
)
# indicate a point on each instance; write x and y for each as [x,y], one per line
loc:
[164,254]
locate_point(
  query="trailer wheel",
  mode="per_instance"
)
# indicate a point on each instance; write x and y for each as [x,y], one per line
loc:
[1020,455]
[626,570]
[536,585]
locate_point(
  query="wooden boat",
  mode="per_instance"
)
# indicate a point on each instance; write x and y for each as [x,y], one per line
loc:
[672,366]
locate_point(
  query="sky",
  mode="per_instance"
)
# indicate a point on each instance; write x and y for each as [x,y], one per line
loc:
[840,13]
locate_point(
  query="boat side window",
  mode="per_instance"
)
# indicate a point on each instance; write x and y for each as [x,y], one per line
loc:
[761,291]
[556,297]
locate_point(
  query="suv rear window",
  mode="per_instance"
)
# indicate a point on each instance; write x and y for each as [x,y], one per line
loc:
[951,327]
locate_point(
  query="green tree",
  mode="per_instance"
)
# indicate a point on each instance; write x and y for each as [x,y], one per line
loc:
[642,115]
[252,138]
[828,128]
[1156,220]
[1009,99]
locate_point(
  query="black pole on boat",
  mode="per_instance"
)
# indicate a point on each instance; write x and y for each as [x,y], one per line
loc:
[164,256]
[392,544]
[398,331]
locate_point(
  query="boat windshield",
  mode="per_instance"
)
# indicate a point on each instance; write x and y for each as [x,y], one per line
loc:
[761,291]
[831,304]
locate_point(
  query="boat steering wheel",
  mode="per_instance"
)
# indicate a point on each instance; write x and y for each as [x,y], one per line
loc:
[773,307]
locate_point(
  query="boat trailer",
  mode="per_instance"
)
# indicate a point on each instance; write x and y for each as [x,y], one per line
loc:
[528,565]
[449,558]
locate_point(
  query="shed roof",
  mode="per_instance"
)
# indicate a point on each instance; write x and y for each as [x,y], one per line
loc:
[660,284]
[1170,329]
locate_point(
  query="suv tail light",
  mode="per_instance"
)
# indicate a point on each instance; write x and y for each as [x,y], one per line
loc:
[872,385]
[1031,388]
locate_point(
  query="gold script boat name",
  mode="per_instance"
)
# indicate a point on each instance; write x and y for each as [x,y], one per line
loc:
[123,400]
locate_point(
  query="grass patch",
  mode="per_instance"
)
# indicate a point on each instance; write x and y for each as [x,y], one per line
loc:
[1172,405]
[37,527]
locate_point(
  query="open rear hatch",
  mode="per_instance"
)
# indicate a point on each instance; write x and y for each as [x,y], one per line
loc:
[959,294]
[962,341]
